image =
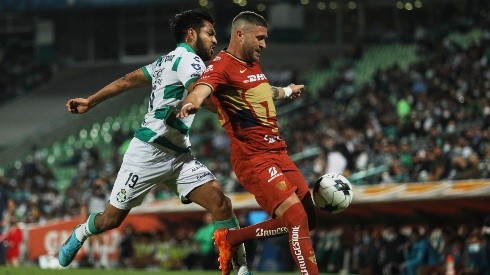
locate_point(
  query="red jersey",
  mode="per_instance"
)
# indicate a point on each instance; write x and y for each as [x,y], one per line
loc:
[14,240]
[243,97]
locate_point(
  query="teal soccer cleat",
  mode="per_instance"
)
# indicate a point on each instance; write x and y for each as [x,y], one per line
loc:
[243,270]
[69,249]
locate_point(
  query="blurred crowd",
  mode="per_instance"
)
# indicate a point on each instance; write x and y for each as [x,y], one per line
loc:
[406,249]
[374,249]
[386,249]
[428,123]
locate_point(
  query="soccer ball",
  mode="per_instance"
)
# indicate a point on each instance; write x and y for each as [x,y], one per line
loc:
[332,193]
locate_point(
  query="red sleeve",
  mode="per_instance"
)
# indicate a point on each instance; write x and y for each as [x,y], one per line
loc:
[214,76]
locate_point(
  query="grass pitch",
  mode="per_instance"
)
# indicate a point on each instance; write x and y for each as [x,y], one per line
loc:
[39,271]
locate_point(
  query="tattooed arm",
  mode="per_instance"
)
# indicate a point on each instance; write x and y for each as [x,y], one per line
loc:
[291,91]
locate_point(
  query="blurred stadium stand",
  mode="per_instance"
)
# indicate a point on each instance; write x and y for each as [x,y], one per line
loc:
[96,56]
[40,118]
[337,52]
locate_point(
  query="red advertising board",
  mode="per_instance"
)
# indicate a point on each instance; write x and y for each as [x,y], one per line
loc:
[47,239]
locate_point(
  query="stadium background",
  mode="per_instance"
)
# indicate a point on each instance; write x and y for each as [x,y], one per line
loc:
[398,91]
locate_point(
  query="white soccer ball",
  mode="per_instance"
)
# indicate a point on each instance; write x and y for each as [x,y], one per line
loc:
[332,193]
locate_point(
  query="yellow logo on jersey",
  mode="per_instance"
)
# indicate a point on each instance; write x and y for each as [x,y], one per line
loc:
[281,185]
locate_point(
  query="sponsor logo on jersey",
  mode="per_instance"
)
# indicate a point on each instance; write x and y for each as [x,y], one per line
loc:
[203,175]
[297,250]
[260,232]
[197,167]
[272,139]
[209,68]
[196,66]
[156,77]
[169,57]
[242,71]
[273,173]
[157,73]
[121,195]
[254,77]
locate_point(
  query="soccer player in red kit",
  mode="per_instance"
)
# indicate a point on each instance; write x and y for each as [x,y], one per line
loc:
[245,108]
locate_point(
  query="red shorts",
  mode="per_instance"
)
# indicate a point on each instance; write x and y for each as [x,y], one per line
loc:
[12,253]
[271,177]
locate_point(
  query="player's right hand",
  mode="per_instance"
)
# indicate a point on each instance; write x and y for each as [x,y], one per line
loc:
[297,90]
[77,105]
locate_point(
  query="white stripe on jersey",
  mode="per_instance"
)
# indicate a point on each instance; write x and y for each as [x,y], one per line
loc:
[170,76]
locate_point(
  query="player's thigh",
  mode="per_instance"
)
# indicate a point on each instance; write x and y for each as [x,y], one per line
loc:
[191,175]
[206,194]
[143,167]
[262,176]
[293,174]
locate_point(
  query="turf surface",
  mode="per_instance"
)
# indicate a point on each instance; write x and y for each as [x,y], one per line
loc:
[38,271]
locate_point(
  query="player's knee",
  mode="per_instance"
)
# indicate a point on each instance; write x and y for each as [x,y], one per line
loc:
[225,205]
[221,208]
[295,215]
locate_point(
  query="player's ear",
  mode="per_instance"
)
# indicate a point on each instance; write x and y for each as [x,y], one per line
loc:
[190,36]
[239,34]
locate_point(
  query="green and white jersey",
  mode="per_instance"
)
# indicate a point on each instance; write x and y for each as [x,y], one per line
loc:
[170,76]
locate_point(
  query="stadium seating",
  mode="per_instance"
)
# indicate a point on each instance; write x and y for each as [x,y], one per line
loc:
[383,56]
[100,135]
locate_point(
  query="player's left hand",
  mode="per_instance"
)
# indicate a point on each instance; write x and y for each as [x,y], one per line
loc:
[187,109]
[297,90]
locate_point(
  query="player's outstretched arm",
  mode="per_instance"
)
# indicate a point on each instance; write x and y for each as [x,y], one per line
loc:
[292,91]
[191,104]
[131,80]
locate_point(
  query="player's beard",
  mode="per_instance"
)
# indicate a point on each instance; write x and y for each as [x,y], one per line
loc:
[201,50]
[250,53]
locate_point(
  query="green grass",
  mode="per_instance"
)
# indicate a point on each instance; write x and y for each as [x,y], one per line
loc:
[38,271]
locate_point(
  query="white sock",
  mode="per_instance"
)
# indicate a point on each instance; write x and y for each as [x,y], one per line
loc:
[87,229]
[239,260]
[81,232]
[243,270]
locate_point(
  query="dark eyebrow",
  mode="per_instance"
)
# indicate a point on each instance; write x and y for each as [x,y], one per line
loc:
[211,31]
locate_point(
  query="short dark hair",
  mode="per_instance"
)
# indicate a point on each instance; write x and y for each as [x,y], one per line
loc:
[194,19]
[251,17]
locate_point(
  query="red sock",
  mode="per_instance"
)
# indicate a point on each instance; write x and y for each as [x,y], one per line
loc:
[299,239]
[266,229]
